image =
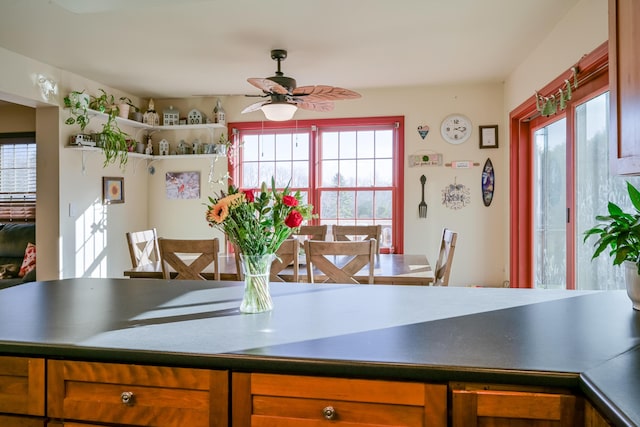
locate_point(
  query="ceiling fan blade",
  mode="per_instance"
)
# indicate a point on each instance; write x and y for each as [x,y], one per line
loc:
[322,107]
[254,107]
[324,93]
[268,86]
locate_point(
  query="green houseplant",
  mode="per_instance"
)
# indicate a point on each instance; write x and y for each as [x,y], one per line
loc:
[78,103]
[114,142]
[620,233]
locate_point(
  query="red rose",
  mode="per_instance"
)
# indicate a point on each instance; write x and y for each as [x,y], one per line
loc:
[248,194]
[290,201]
[294,219]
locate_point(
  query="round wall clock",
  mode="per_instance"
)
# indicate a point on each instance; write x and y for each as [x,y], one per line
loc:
[456,128]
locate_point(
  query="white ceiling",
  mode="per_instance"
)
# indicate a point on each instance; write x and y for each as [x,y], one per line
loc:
[180,48]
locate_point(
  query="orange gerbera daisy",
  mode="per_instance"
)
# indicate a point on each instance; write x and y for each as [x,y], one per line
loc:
[218,213]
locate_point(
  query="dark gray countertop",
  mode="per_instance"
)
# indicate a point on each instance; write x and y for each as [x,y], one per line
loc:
[586,340]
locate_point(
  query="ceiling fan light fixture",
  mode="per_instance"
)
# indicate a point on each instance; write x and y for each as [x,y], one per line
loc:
[279,111]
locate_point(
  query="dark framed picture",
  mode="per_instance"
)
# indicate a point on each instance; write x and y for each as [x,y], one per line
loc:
[489,136]
[112,190]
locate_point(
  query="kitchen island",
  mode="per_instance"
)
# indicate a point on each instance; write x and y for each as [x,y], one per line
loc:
[585,342]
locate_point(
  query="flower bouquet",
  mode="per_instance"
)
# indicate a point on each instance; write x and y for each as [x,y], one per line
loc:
[256,225]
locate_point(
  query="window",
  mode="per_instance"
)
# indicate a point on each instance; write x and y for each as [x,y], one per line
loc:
[17,176]
[349,169]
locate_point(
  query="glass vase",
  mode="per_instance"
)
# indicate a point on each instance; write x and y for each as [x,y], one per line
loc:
[256,270]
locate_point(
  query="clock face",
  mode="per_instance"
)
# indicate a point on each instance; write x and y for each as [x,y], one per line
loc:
[456,129]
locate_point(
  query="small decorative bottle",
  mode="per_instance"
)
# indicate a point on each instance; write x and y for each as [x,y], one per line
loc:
[219,115]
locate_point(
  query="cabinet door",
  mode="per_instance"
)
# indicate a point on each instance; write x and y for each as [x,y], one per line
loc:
[498,408]
[22,382]
[137,395]
[15,421]
[624,86]
[593,418]
[261,400]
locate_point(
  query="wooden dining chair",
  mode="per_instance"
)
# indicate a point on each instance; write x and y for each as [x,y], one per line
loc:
[143,247]
[339,261]
[445,257]
[176,254]
[312,232]
[343,233]
[287,256]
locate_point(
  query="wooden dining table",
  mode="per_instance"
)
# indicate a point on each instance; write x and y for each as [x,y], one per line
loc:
[389,269]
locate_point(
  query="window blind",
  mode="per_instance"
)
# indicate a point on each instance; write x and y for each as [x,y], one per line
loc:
[17,177]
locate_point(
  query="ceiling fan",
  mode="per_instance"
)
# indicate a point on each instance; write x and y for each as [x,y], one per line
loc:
[284,98]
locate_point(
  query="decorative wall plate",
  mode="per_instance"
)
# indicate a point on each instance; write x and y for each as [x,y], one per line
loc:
[423,130]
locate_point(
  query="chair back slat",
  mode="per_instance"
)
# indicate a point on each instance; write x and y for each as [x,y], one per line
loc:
[287,255]
[344,233]
[312,232]
[143,247]
[329,259]
[205,249]
[445,257]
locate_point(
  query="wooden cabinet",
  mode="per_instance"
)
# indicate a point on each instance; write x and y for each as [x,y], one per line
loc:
[136,395]
[624,86]
[22,391]
[261,400]
[498,406]
[593,418]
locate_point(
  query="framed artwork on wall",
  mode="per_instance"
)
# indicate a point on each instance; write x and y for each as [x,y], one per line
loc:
[112,190]
[489,136]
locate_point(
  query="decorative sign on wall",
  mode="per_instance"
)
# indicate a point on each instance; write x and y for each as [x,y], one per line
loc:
[423,130]
[456,196]
[182,185]
[430,159]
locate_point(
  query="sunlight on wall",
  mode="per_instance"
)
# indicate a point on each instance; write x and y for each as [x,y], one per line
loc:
[91,241]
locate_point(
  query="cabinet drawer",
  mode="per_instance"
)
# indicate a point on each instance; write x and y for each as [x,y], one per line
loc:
[137,395]
[22,385]
[16,421]
[287,400]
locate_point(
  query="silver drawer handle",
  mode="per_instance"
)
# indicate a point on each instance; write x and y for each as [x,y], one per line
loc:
[329,413]
[127,397]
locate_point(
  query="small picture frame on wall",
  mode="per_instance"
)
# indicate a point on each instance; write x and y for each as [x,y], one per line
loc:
[489,136]
[112,190]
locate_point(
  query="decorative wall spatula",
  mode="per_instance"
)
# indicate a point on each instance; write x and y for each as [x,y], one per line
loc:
[422,207]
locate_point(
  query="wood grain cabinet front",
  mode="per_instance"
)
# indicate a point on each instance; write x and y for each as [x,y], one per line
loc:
[624,86]
[261,400]
[136,395]
[492,406]
[22,387]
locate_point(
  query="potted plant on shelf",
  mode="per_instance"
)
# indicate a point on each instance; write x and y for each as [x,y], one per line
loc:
[620,232]
[114,142]
[105,103]
[78,103]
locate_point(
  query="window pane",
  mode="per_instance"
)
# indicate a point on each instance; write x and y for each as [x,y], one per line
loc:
[366,144]
[365,204]
[384,173]
[550,206]
[346,204]
[301,146]
[329,145]
[330,173]
[348,145]
[267,147]
[283,147]
[347,173]
[383,203]
[300,175]
[250,148]
[329,204]
[283,174]
[267,170]
[250,178]
[365,173]
[384,143]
